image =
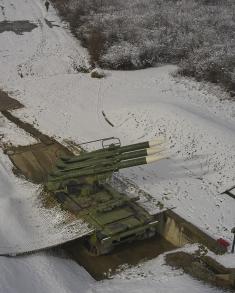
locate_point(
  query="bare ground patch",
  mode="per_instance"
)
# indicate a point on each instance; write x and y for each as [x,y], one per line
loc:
[18,27]
[202,268]
[8,103]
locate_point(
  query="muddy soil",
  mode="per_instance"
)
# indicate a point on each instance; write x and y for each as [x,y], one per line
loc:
[36,161]
[101,267]
[202,268]
[18,27]
[8,103]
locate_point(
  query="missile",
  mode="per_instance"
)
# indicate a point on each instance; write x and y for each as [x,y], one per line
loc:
[104,168]
[141,161]
[101,161]
[112,151]
[154,158]
[156,141]
[99,165]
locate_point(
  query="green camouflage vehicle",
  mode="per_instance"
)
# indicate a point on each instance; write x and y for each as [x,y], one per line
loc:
[79,183]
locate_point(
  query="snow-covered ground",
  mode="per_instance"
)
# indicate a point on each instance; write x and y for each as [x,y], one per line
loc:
[11,134]
[46,273]
[39,69]
[142,105]
[25,224]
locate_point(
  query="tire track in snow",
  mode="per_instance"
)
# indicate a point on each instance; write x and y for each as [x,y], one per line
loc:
[53,45]
[25,68]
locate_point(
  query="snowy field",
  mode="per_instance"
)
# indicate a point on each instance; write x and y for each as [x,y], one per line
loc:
[39,68]
[142,105]
[11,134]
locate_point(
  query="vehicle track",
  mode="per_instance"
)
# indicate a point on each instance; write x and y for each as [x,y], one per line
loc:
[48,33]
[25,68]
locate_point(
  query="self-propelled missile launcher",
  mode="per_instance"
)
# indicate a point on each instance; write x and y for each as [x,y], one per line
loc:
[80,184]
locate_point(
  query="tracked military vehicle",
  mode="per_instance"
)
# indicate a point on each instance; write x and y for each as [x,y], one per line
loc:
[80,184]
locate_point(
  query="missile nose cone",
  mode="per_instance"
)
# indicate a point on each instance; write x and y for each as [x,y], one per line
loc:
[154,150]
[156,141]
[154,158]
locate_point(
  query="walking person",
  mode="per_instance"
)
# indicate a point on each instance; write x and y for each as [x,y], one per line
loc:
[233,245]
[47,4]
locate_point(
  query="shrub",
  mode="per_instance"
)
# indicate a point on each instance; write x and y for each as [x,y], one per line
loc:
[97,73]
[215,64]
[130,34]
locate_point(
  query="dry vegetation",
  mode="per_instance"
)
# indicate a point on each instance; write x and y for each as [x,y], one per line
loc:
[198,35]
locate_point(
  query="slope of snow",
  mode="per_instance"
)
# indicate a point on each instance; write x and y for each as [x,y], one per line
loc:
[46,273]
[43,273]
[25,224]
[11,134]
